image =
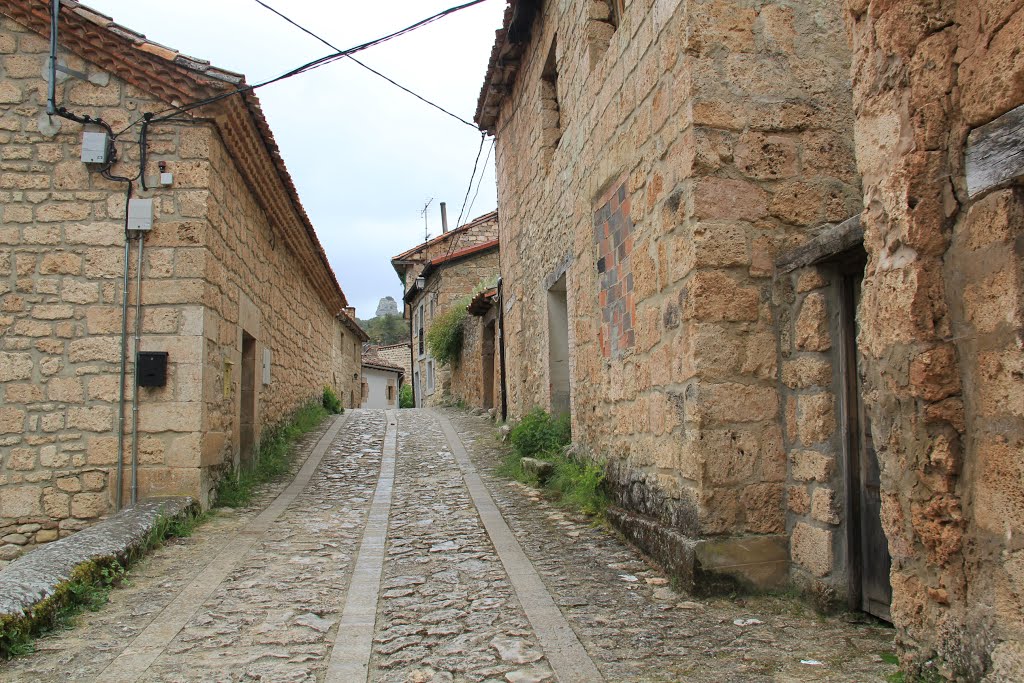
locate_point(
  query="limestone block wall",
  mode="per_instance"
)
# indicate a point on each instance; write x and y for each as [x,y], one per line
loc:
[480,230]
[347,365]
[810,333]
[398,355]
[692,144]
[211,267]
[941,325]
[61,266]
[258,286]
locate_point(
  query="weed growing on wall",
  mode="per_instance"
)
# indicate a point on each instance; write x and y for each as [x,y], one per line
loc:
[331,402]
[274,457]
[539,434]
[446,333]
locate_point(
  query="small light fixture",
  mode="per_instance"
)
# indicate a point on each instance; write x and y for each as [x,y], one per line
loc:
[355,375]
[421,282]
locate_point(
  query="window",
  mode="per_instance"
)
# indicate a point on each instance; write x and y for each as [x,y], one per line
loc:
[551,113]
[420,331]
[430,376]
[433,300]
[390,392]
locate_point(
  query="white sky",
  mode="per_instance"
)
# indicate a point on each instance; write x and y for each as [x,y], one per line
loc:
[364,155]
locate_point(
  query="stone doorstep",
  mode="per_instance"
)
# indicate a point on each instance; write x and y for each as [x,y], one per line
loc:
[708,566]
[32,578]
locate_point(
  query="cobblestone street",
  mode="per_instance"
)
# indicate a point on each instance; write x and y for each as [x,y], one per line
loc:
[397,554]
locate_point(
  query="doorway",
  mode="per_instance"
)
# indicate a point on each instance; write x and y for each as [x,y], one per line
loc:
[247,421]
[869,559]
[558,347]
[488,365]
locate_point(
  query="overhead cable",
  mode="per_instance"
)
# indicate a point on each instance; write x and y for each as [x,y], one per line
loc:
[366,66]
[321,61]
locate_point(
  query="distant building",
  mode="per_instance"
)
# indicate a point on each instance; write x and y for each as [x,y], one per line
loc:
[381,382]
[437,275]
[399,355]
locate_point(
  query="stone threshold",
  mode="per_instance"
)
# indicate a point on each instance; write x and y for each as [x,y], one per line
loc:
[36,576]
[707,566]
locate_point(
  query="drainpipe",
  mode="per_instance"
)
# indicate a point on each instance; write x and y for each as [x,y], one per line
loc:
[135,391]
[51,92]
[501,351]
[412,362]
[124,353]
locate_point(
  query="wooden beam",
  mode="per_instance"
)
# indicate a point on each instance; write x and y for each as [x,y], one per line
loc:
[995,152]
[827,244]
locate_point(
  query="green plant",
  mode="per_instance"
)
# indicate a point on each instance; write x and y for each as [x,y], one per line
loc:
[273,457]
[579,485]
[540,435]
[405,397]
[447,333]
[331,402]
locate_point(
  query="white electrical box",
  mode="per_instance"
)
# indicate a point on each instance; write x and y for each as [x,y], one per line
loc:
[266,366]
[166,178]
[94,147]
[140,214]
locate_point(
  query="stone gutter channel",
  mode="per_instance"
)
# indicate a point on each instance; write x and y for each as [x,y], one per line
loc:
[32,578]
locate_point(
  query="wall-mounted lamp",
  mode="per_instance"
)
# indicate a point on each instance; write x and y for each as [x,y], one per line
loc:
[355,375]
[421,282]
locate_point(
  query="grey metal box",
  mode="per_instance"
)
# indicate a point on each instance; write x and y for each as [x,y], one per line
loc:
[94,147]
[140,214]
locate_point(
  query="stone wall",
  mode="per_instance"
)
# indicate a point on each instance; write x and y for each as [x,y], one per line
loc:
[467,380]
[941,325]
[480,230]
[211,267]
[450,285]
[694,141]
[399,355]
[347,365]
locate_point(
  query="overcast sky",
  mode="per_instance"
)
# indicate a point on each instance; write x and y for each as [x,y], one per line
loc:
[364,155]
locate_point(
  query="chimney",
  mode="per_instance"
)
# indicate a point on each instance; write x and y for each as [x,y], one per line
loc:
[350,311]
[444,217]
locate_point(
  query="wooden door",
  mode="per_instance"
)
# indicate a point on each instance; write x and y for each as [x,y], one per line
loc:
[870,562]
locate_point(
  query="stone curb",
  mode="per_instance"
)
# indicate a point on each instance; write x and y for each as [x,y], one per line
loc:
[36,576]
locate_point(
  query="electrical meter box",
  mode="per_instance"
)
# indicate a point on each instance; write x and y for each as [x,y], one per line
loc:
[140,214]
[151,369]
[94,147]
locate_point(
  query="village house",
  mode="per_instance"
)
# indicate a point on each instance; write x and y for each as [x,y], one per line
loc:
[776,305]
[381,382]
[242,319]
[398,355]
[477,379]
[438,275]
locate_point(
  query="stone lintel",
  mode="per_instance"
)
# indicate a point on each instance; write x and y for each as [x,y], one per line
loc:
[828,243]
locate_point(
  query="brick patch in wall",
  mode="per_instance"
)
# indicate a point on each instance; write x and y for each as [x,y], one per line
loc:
[613,234]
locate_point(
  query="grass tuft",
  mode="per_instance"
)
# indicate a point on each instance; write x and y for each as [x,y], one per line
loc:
[573,484]
[274,456]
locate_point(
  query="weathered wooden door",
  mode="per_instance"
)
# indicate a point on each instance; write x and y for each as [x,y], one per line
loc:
[870,561]
[247,416]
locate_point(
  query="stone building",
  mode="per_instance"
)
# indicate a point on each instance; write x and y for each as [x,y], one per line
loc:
[398,355]
[769,300]
[235,287]
[381,381]
[436,275]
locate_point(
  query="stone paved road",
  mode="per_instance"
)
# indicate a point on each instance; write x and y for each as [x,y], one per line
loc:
[459,575]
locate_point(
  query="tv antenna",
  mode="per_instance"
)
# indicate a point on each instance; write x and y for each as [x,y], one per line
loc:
[426,233]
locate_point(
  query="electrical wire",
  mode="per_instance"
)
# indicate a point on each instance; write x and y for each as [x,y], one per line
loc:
[469,211]
[366,66]
[309,66]
[479,151]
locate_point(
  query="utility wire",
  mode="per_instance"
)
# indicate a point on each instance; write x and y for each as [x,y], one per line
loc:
[479,151]
[469,211]
[316,63]
[366,66]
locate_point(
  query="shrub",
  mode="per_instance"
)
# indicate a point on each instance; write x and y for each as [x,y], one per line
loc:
[331,401]
[446,333]
[539,434]
[405,397]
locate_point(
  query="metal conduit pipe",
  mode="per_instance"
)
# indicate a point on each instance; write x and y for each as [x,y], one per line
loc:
[135,375]
[124,354]
[51,92]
